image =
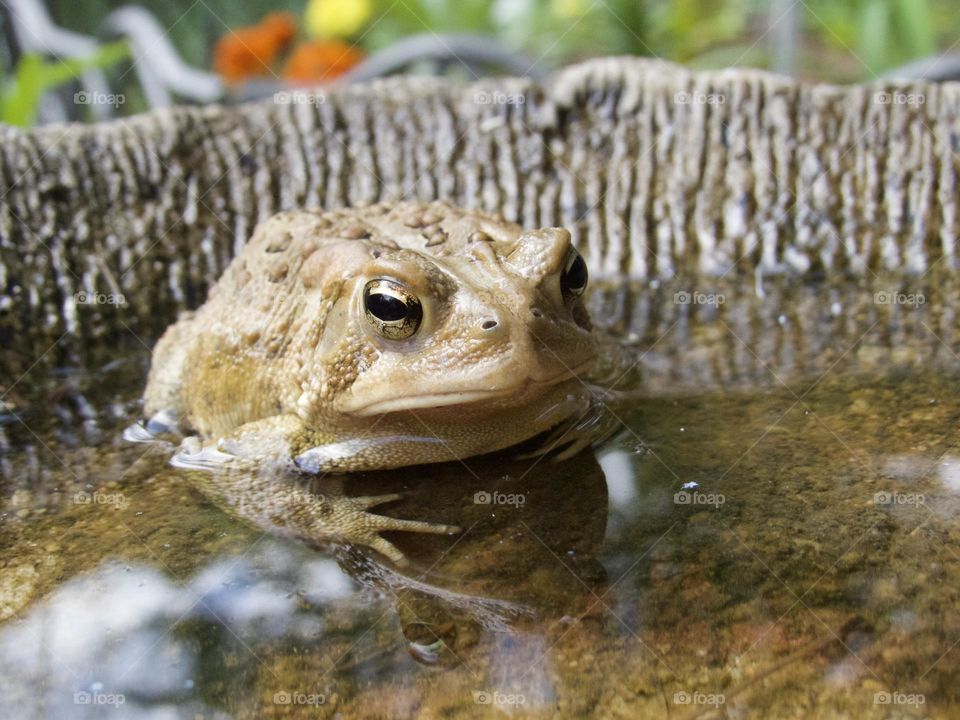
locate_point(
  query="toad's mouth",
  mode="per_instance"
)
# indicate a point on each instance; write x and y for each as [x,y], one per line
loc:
[526,388]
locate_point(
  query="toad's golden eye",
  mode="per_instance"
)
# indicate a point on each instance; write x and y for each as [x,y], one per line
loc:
[573,279]
[393,310]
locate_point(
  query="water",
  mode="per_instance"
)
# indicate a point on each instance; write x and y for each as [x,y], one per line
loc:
[772,534]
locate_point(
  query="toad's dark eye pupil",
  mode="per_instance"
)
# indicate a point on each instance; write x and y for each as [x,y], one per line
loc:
[574,278]
[386,307]
[392,310]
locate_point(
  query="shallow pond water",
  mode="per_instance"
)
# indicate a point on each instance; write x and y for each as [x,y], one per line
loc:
[773,533]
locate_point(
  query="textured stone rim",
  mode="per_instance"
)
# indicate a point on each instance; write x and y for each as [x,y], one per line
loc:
[657,170]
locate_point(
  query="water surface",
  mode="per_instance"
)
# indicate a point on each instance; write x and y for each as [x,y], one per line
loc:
[773,533]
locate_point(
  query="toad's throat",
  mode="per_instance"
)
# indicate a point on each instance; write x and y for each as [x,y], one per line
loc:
[526,388]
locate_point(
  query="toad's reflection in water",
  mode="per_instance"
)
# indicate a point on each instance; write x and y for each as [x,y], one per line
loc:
[526,556]
[130,636]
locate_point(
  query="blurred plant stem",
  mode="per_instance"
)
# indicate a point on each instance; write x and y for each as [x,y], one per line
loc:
[34,75]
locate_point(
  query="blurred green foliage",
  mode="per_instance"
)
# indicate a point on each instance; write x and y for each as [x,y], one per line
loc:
[886,33]
[838,40]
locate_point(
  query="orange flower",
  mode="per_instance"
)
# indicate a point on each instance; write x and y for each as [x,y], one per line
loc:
[247,52]
[321,60]
[281,26]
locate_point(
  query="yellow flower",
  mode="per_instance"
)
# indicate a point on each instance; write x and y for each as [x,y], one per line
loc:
[336,18]
[569,8]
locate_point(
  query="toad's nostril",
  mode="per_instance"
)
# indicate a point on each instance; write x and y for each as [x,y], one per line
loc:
[536,312]
[489,324]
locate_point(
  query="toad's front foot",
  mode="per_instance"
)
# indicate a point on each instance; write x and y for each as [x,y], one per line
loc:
[360,527]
